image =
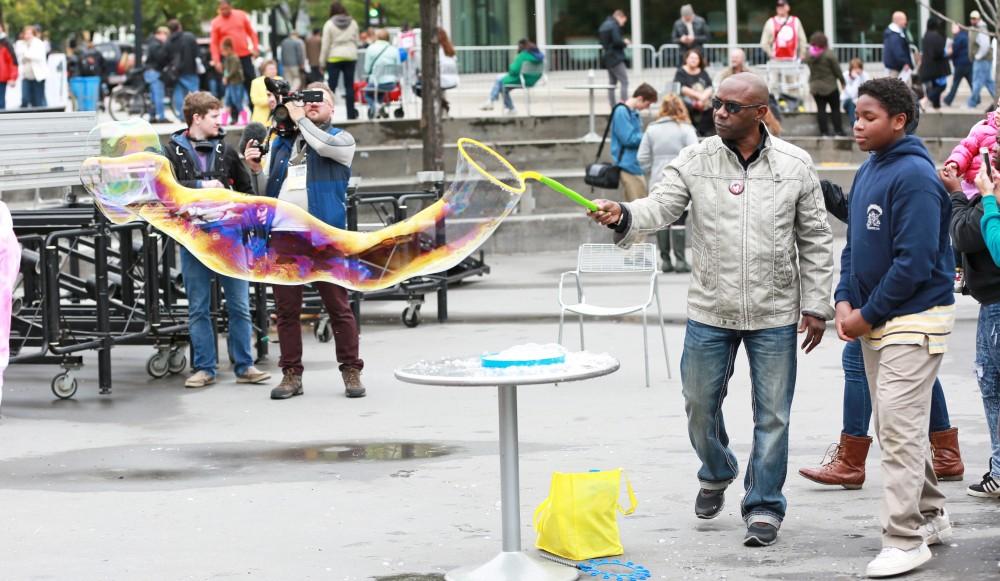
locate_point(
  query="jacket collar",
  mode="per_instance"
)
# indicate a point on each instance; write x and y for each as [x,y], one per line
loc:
[761,146]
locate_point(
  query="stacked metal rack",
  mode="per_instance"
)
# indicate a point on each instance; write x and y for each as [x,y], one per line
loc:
[89,285]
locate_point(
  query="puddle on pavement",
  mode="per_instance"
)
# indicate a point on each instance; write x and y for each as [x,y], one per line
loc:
[382,451]
[221,464]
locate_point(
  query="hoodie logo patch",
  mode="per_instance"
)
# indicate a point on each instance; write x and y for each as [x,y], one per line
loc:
[874,217]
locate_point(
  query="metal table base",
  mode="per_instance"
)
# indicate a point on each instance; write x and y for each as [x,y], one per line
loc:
[512,564]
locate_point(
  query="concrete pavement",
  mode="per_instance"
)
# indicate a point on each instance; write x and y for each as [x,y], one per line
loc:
[158,482]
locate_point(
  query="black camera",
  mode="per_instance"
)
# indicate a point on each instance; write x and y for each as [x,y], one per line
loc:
[283,124]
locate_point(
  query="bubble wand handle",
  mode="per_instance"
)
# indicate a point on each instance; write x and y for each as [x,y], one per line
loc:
[561,189]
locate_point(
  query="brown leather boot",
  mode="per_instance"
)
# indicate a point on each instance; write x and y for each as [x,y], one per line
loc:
[846,466]
[947,457]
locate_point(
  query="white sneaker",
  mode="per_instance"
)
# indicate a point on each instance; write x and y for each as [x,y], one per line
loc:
[892,561]
[487,105]
[510,112]
[937,529]
[253,375]
[200,379]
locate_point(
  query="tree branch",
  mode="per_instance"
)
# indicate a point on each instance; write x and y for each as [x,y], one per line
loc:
[988,12]
[947,18]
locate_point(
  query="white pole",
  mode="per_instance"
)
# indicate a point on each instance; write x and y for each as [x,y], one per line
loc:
[541,26]
[446,17]
[923,14]
[828,27]
[731,24]
[635,16]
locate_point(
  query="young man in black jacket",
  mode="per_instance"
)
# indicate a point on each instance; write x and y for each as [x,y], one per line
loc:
[613,45]
[201,159]
[157,60]
[982,281]
[182,70]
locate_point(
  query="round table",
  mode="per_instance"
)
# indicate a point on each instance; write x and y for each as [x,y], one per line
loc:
[591,136]
[512,564]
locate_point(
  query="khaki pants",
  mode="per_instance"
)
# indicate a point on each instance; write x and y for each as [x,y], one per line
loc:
[635,186]
[900,378]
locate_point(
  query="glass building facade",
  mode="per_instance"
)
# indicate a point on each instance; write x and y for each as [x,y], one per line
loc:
[567,22]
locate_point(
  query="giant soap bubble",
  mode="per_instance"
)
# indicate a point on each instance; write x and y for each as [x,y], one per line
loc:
[263,239]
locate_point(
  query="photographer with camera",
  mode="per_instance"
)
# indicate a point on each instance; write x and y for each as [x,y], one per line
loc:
[201,159]
[308,163]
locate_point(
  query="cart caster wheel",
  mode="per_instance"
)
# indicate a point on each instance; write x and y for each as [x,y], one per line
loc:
[323,331]
[158,365]
[398,113]
[176,362]
[64,385]
[411,316]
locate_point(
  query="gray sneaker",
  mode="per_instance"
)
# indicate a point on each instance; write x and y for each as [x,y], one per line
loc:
[291,385]
[253,375]
[352,382]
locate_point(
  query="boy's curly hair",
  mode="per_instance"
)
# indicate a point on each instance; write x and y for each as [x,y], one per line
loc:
[892,94]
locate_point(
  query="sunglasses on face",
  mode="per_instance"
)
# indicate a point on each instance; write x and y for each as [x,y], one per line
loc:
[732,108]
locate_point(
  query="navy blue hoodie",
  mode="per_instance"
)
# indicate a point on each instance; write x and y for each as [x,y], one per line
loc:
[898,259]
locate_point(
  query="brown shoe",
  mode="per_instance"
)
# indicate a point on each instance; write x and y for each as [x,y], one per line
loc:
[846,466]
[947,457]
[291,385]
[352,382]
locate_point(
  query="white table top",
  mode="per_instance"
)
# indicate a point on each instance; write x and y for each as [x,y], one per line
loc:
[468,371]
[590,86]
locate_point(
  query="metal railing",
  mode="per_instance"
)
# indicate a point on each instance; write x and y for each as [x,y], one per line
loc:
[582,57]
[568,57]
[669,55]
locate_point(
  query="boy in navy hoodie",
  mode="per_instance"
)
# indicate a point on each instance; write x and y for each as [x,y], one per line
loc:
[896,296]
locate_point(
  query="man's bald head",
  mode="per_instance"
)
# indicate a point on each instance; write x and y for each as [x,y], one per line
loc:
[748,91]
[745,88]
[899,19]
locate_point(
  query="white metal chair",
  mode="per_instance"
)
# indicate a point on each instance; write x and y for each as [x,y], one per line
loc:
[598,259]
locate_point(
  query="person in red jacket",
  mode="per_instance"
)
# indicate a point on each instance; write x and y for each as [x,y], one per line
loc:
[8,67]
[235,24]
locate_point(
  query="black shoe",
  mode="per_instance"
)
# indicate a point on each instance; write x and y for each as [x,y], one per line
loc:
[760,534]
[682,267]
[709,503]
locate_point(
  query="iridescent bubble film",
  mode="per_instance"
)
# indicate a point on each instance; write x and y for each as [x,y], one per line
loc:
[264,239]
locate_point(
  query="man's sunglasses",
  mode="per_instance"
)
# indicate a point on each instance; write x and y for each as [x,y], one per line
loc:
[732,108]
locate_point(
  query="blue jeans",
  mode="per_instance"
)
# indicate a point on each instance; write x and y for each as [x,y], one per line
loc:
[236,94]
[982,77]
[498,89]
[157,92]
[376,95]
[33,94]
[185,84]
[198,285]
[857,398]
[961,72]
[849,108]
[343,69]
[988,374]
[706,367]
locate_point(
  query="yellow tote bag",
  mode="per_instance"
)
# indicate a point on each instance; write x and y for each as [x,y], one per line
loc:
[579,519]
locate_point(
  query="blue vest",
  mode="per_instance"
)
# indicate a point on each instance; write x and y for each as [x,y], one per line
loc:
[326,180]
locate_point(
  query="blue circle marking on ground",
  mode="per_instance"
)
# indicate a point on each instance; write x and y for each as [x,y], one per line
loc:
[615,570]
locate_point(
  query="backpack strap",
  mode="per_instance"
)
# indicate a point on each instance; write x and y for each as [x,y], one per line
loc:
[607,130]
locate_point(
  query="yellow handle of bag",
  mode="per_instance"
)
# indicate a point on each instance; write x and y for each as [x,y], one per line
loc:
[536,520]
[631,497]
